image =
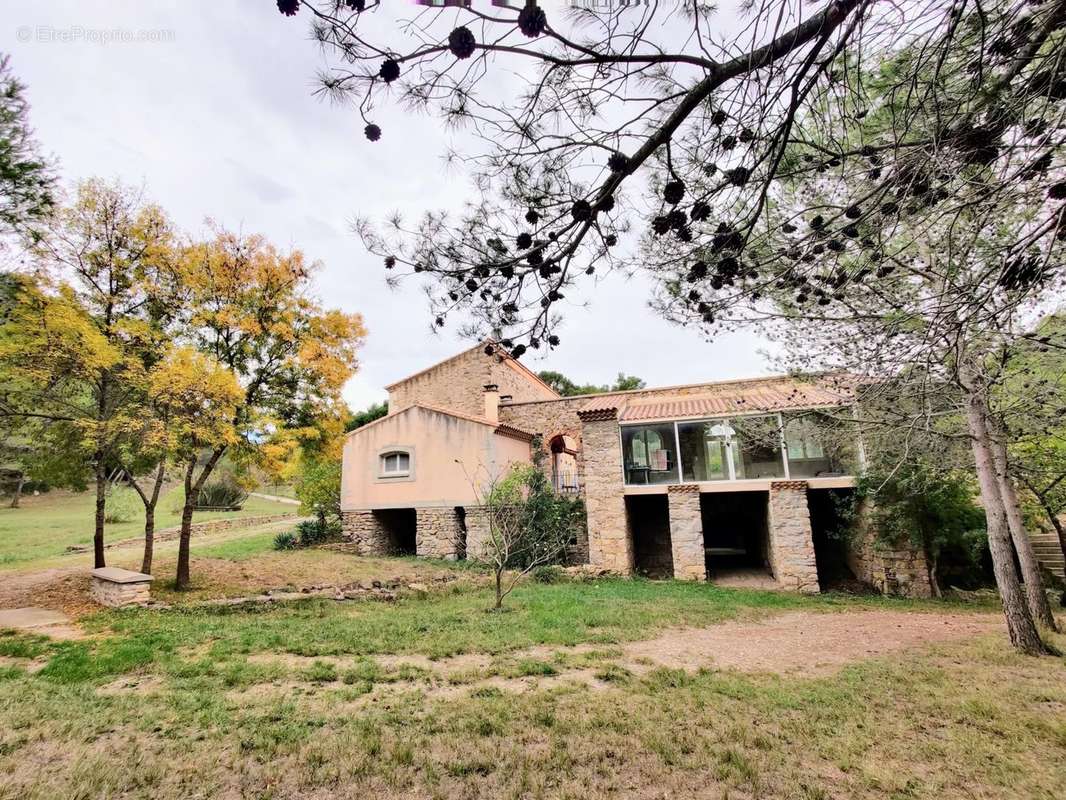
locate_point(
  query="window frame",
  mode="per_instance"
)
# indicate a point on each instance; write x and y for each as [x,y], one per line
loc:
[384,474]
[732,447]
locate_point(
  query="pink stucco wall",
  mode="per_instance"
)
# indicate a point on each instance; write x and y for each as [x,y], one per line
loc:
[436,442]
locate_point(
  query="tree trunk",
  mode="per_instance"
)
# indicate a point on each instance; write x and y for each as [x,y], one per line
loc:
[1035,595]
[17,495]
[150,502]
[499,589]
[181,580]
[934,583]
[1020,626]
[149,540]
[101,502]
[192,489]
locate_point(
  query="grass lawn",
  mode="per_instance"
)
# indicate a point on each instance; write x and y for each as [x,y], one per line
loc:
[47,524]
[435,697]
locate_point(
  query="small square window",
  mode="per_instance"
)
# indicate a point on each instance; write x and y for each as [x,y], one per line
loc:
[395,464]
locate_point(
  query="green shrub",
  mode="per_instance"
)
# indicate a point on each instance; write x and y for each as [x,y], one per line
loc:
[223,493]
[310,532]
[285,541]
[123,505]
[548,573]
[319,488]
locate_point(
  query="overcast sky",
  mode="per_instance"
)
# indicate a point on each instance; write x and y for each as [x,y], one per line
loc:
[217,118]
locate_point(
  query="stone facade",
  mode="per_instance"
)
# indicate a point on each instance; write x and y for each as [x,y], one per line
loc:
[366,532]
[117,588]
[478,533]
[791,544]
[578,552]
[686,533]
[895,569]
[458,383]
[610,540]
[437,533]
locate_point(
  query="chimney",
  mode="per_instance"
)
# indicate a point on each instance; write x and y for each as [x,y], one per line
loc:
[492,402]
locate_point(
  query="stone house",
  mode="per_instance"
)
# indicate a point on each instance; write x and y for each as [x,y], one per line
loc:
[696,482]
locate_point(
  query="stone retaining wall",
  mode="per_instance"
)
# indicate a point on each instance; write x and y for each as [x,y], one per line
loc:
[196,529]
[891,568]
[366,532]
[437,532]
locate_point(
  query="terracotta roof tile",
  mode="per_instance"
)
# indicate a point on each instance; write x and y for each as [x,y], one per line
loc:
[775,395]
[605,402]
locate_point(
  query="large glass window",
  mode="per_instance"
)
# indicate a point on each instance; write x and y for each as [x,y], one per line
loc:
[757,448]
[649,454]
[813,448]
[704,450]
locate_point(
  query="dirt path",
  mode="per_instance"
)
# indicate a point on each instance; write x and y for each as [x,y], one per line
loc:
[811,643]
[15,587]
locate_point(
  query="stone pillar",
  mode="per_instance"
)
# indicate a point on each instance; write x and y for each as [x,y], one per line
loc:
[437,532]
[610,541]
[686,533]
[478,533]
[118,588]
[791,545]
[366,532]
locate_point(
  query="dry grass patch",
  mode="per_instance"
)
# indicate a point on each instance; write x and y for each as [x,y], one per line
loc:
[435,698]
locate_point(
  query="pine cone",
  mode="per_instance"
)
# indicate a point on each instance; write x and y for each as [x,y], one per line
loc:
[738,176]
[390,70]
[372,131]
[581,210]
[461,42]
[532,21]
[524,241]
[289,7]
[673,192]
[618,162]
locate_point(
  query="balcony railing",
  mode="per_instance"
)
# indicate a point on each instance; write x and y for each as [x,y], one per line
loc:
[565,482]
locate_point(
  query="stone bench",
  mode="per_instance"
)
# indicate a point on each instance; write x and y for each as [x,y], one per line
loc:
[116,588]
